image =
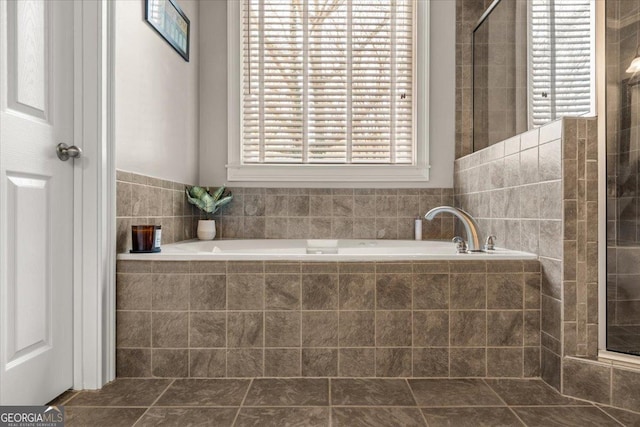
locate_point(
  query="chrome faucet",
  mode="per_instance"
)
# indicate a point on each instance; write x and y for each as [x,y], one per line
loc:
[490,243]
[470,224]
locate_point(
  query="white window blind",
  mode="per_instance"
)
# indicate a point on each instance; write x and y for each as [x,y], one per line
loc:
[560,59]
[327,82]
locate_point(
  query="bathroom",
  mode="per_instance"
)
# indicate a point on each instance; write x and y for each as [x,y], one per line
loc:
[326,297]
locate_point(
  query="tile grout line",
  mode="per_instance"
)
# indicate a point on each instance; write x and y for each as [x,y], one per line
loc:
[339,315]
[449,316]
[524,311]
[109,406]
[155,401]
[603,405]
[264,318]
[375,319]
[330,403]
[416,402]
[189,313]
[244,398]
[611,369]
[486,320]
[301,310]
[550,406]
[70,398]
[226,319]
[608,414]
[503,401]
[412,326]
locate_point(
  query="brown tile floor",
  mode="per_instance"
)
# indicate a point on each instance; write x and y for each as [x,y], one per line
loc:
[335,402]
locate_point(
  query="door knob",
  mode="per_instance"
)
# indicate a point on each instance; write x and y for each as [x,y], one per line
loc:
[64,151]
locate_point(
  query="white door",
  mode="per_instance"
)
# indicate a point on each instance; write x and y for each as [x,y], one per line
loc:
[36,200]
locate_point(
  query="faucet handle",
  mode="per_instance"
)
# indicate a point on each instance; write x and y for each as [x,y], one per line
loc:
[461,245]
[489,244]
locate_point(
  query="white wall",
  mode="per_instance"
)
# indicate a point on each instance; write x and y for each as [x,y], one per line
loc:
[156,97]
[213,99]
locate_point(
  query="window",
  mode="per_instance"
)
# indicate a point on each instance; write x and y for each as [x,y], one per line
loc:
[328,90]
[561,50]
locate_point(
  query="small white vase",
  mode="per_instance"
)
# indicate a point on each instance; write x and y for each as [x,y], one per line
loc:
[206,229]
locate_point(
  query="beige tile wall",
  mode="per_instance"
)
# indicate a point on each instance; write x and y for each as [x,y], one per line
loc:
[623,298]
[582,378]
[569,292]
[601,382]
[245,319]
[297,213]
[282,213]
[514,190]
[580,231]
[145,200]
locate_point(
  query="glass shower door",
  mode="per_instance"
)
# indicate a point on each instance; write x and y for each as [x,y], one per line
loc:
[623,183]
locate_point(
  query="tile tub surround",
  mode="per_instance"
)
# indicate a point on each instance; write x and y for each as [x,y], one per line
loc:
[292,319]
[145,200]
[539,194]
[282,213]
[299,213]
[518,198]
[569,290]
[337,402]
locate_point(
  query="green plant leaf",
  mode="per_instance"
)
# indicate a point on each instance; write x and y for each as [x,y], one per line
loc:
[224,201]
[216,194]
[205,201]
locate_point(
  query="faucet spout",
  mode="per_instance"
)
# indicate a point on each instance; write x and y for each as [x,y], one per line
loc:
[470,225]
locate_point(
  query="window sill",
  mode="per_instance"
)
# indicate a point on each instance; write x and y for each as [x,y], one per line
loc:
[327,173]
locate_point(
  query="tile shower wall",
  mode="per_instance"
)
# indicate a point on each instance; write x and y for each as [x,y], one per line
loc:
[298,213]
[623,298]
[146,200]
[623,123]
[278,319]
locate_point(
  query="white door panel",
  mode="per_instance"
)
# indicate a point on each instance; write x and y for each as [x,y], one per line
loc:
[28,284]
[36,200]
[27,63]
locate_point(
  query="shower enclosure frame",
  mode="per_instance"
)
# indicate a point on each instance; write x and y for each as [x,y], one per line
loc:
[604,355]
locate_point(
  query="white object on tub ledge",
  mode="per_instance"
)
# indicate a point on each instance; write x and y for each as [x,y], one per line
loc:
[417,229]
[320,250]
[206,229]
[322,246]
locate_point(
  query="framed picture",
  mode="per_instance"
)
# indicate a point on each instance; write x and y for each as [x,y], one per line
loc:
[166,17]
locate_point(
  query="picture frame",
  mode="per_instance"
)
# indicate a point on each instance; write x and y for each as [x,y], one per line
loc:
[166,17]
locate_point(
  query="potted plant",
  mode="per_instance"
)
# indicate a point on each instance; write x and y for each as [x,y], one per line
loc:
[209,203]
